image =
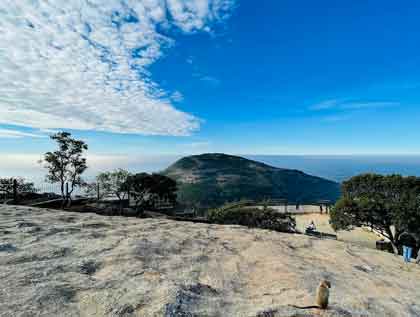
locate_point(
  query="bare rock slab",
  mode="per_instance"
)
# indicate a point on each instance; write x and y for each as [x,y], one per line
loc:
[55,263]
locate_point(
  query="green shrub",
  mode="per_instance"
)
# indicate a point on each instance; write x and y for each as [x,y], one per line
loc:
[253,217]
[236,205]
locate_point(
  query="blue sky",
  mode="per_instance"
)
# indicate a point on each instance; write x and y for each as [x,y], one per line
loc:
[161,78]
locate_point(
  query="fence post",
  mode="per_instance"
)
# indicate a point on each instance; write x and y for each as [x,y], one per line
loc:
[128,196]
[98,193]
[15,191]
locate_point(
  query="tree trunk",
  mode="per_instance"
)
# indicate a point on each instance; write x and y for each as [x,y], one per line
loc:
[63,196]
[140,211]
[392,239]
[68,195]
[394,248]
[121,207]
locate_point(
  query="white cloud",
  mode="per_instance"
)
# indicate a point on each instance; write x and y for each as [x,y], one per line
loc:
[15,134]
[190,15]
[49,131]
[177,96]
[83,64]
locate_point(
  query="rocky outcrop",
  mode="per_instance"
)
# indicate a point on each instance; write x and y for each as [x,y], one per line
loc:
[55,263]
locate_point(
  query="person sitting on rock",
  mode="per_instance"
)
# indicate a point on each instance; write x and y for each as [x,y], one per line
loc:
[311,226]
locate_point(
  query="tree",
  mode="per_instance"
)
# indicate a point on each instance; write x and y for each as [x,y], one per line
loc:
[242,213]
[22,186]
[114,183]
[66,164]
[388,204]
[146,188]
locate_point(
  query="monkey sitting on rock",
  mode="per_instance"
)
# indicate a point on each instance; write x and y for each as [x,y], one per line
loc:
[322,296]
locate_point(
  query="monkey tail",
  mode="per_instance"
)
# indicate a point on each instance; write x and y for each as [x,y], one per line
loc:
[304,307]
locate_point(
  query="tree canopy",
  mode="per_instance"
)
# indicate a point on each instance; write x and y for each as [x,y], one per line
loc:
[66,164]
[388,204]
[145,188]
[114,183]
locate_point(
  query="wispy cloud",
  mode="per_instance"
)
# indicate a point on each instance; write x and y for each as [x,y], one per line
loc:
[207,78]
[327,104]
[210,79]
[83,64]
[177,96]
[368,105]
[336,110]
[337,118]
[335,104]
[49,131]
[15,134]
[199,144]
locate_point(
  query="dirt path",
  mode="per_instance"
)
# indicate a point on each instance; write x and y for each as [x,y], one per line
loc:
[359,236]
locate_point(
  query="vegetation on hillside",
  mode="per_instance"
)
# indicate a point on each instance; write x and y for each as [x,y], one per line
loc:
[241,214]
[210,180]
[388,204]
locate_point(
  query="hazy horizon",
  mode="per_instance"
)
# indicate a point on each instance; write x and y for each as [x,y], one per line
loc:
[333,167]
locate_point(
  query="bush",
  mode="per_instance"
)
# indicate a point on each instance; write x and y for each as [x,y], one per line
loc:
[253,217]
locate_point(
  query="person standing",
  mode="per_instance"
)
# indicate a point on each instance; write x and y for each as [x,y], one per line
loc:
[408,242]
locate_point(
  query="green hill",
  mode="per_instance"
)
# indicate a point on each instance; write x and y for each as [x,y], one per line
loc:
[210,180]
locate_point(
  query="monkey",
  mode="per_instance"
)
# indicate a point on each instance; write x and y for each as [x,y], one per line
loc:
[322,295]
